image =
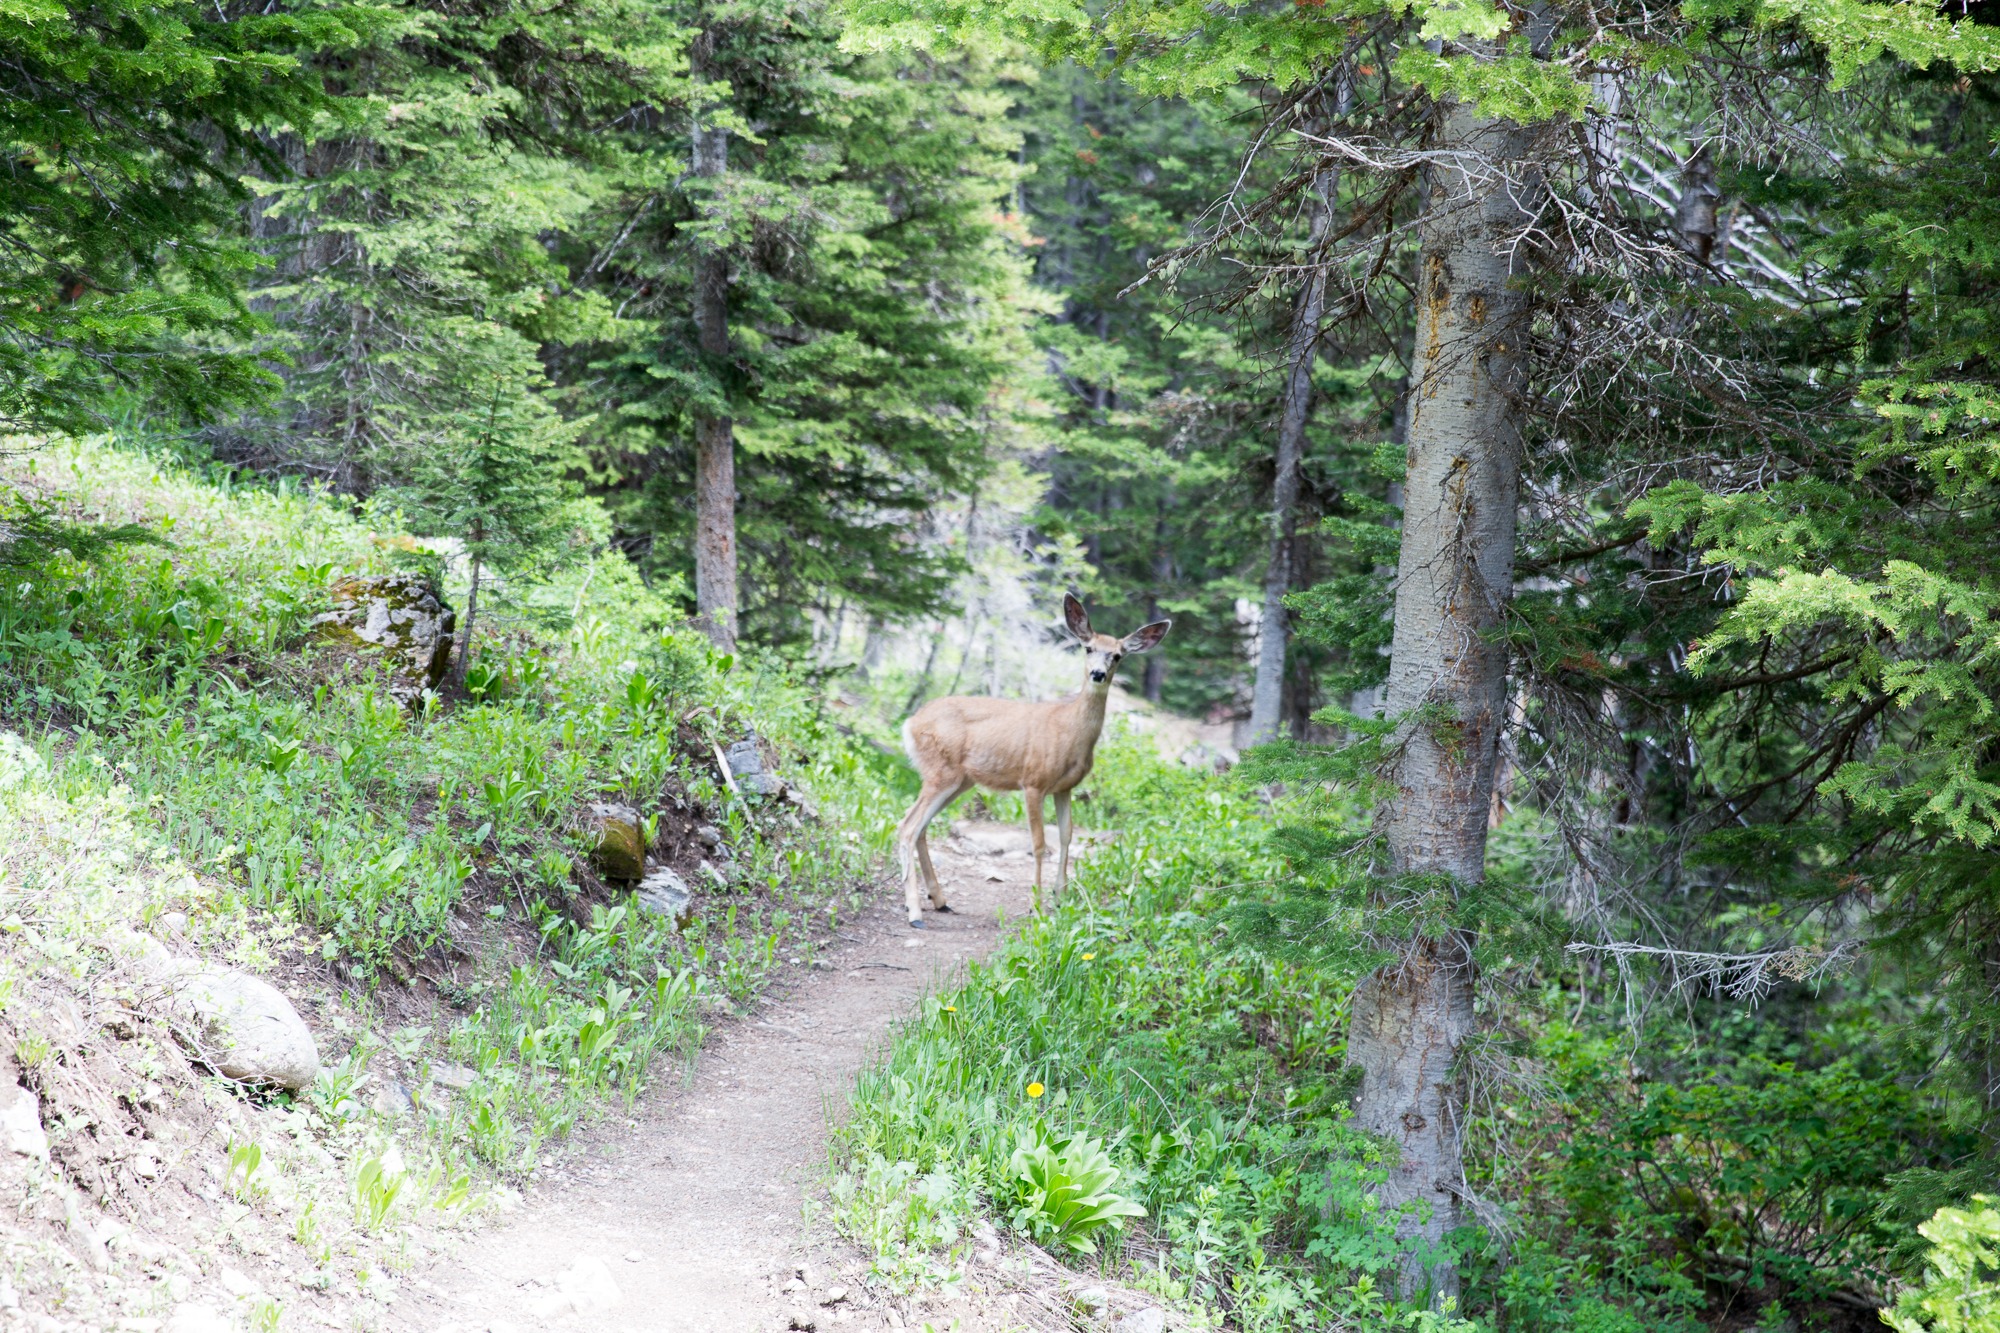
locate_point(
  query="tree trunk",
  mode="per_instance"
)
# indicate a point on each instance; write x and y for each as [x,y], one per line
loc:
[1447,678]
[1267,694]
[714,434]
[464,662]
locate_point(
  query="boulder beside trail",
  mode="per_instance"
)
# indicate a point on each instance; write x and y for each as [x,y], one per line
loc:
[403,616]
[238,1025]
[249,1031]
[619,851]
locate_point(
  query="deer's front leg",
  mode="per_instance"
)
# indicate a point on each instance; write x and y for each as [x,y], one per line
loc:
[1062,844]
[1034,802]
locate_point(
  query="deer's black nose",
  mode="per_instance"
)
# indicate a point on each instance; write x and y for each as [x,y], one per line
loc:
[1097,675]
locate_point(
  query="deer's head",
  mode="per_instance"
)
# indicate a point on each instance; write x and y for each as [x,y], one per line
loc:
[1101,652]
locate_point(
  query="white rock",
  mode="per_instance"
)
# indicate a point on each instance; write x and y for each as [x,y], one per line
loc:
[1150,1320]
[197,1319]
[21,1120]
[834,1295]
[456,1077]
[587,1286]
[238,1283]
[250,1032]
[635,1256]
[1092,1299]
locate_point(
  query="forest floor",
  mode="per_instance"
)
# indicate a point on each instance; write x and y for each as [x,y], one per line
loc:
[706,1210]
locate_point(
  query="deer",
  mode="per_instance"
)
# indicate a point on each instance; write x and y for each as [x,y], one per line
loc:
[1038,749]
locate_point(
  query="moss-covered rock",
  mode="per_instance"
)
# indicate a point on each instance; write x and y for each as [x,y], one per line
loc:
[400,614]
[619,852]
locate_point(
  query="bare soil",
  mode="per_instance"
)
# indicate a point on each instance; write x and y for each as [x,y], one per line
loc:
[707,1205]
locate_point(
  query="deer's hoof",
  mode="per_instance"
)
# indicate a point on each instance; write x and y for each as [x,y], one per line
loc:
[941,907]
[916,923]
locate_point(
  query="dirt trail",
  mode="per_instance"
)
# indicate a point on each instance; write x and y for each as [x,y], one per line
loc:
[698,1208]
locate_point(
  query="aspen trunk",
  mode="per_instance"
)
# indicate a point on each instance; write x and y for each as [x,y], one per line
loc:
[1446,678]
[464,662]
[714,434]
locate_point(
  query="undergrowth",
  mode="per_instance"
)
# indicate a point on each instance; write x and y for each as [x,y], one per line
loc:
[1137,1019]
[1129,1024]
[439,844]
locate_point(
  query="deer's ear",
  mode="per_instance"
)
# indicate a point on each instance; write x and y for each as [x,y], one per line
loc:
[1140,640]
[1074,619]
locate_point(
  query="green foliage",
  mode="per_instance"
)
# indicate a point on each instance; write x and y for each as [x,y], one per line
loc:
[1208,1078]
[299,789]
[1961,1292]
[1067,1190]
[876,313]
[125,124]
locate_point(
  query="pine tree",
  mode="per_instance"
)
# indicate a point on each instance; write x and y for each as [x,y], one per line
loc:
[501,484]
[125,125]
[874,311]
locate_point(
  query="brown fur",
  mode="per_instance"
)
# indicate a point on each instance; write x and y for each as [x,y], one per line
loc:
[1037,749]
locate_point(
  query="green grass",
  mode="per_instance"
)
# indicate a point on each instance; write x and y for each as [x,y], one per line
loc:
[1211,1075]
[182,676]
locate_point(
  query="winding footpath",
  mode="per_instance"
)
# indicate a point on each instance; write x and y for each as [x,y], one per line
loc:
[705,1212]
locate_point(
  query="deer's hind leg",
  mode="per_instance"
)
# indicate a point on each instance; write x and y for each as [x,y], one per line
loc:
[913,851]
[938,904]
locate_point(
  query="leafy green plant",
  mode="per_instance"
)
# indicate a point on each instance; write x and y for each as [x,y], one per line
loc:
[379,1179]
[1961,1290]
[1066,1189]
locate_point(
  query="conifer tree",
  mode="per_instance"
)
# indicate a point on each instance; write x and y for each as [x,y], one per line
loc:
[874,313]
[125,125]
[500,483]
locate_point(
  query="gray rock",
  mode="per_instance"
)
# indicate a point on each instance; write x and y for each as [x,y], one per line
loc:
[248,1030]
[1091,1299]
[401,615]
[710,836]
[764,784]
[720,880]
[664,893]
[745,760]
[1152,1319]
[807,806]
[21,1129]
[240,1026]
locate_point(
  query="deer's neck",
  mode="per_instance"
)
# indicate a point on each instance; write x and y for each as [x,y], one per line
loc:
[1088,705]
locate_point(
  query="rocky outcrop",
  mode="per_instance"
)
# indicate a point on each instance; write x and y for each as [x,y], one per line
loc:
[403,617]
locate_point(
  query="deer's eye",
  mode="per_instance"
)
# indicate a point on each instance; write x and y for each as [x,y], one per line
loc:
[1117,657]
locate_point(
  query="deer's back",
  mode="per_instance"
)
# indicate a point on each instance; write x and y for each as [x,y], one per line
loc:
[1002,744]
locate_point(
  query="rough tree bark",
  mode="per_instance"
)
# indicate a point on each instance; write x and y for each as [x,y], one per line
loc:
[1447,677]
[714,434]
[463,662]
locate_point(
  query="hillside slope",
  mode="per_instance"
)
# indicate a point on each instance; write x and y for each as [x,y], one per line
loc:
[226,809]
